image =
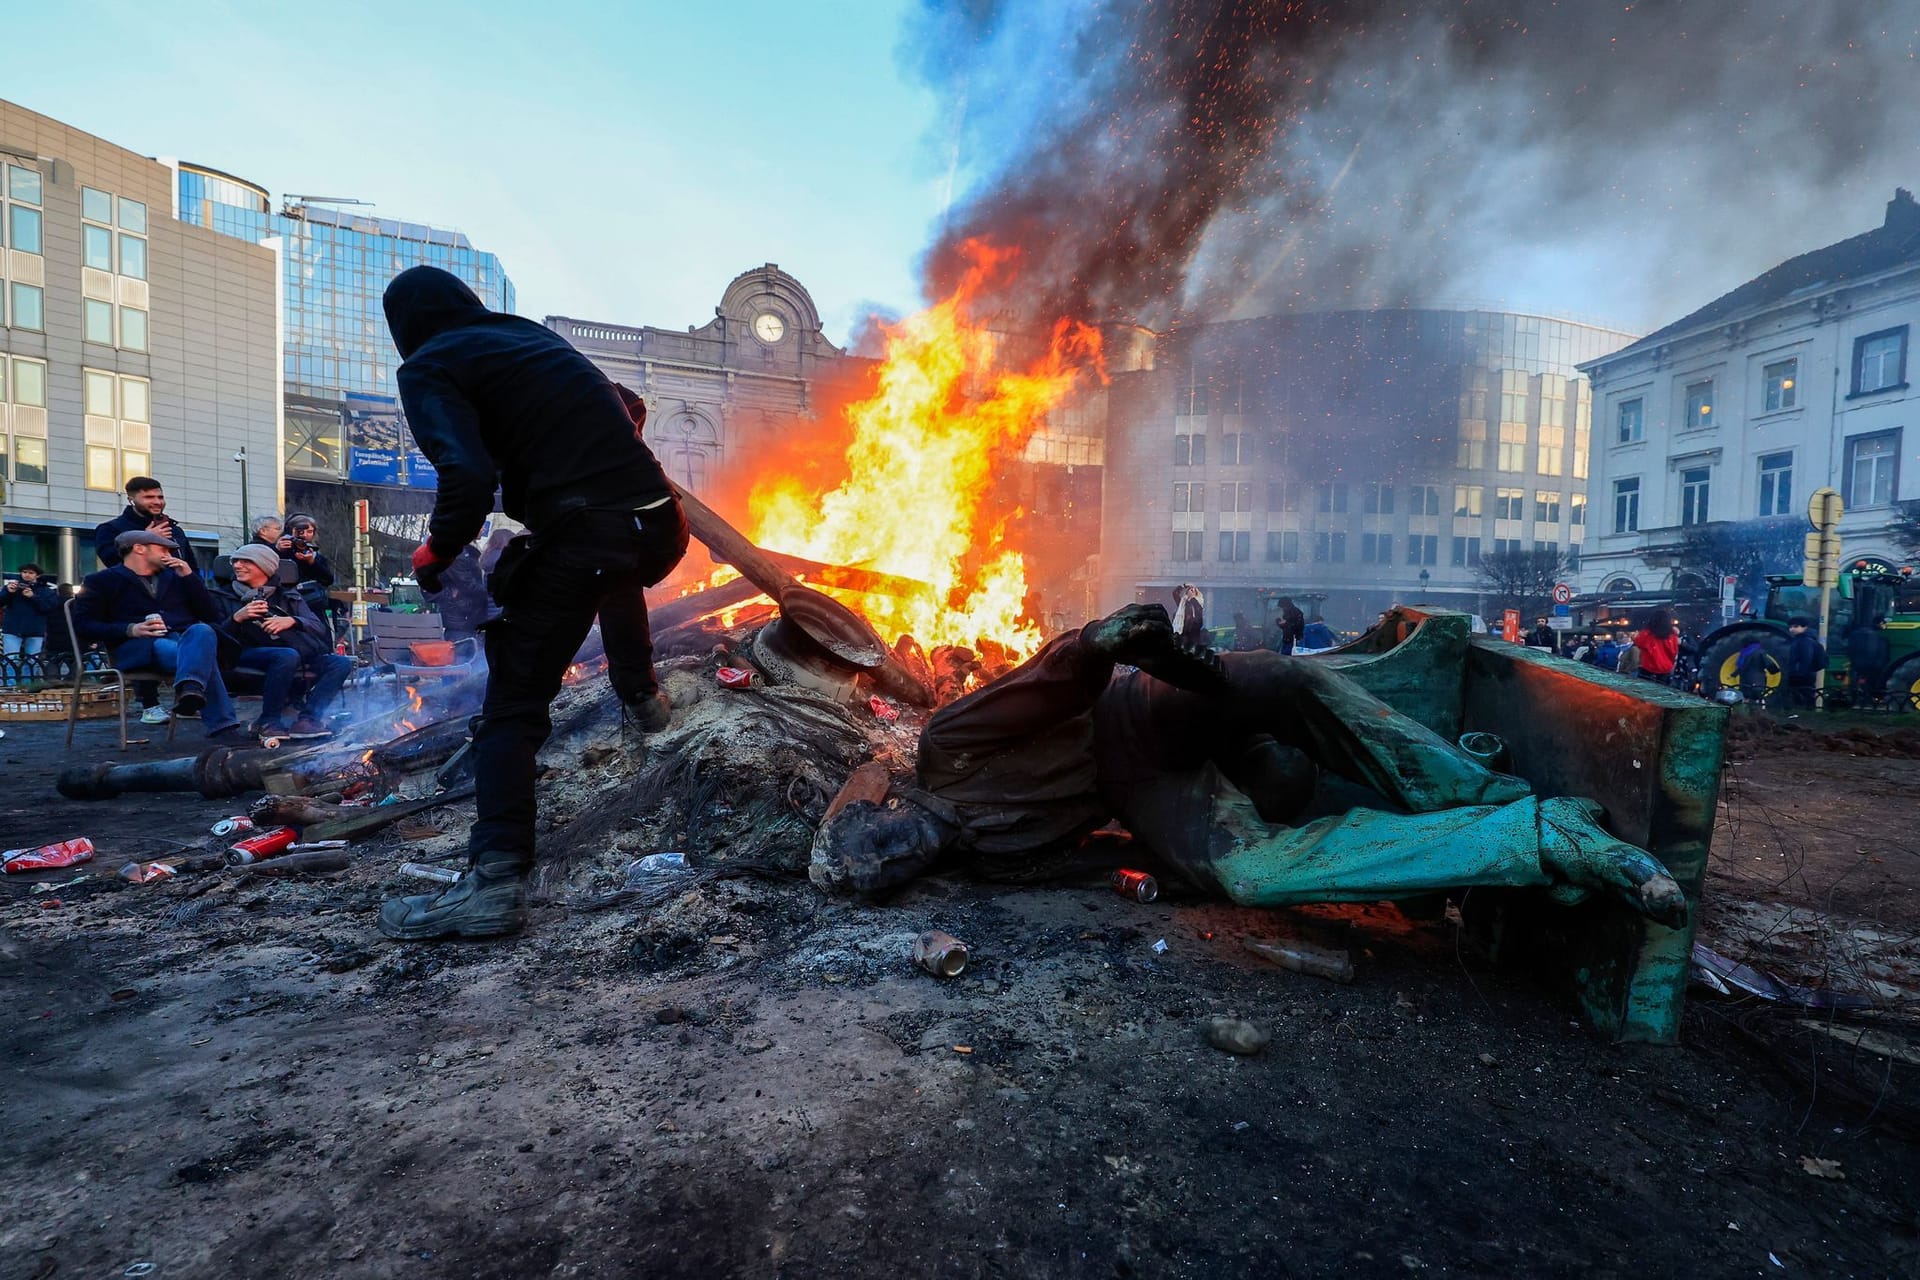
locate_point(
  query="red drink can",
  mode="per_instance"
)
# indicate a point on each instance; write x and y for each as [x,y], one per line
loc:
[734,678]
[1137,885]
[258,848]
[233,826]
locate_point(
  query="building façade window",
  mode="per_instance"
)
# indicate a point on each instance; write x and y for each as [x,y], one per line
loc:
[1873,469]
[119,434]
[1776,484]
[113,249]
[1283,545]
[1696,488]
[1630,421]
[1626,505]
[1466,552]
[24,304]
[1376,499]
[23,420]
[1423,549]
[1780,386]
[1509,504]
[1880,361]
[1699,411]
[1187,544]
[1376,548]
[1546,506]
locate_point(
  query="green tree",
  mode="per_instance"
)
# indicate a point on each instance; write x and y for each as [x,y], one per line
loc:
[1747,550]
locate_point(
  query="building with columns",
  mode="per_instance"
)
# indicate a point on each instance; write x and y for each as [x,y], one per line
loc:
[718,392]
[1796,381]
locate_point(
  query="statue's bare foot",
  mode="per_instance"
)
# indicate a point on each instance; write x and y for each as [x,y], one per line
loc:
[1142,635]
[1575,848]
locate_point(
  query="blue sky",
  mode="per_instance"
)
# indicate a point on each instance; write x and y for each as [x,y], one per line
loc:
[624,160]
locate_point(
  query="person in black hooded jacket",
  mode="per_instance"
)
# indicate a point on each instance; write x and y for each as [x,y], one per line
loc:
[497,400]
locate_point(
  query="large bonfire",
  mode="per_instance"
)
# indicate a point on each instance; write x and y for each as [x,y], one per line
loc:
[918,500]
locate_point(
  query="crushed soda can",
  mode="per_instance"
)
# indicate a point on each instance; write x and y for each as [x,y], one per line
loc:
[882,709]
[258,848]
[234,826]
[64,853]
[1137,885]
[734,678]
[147,872]
[940,954]
[421,871]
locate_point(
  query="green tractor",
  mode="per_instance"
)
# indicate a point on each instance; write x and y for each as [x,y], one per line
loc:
[1863,595]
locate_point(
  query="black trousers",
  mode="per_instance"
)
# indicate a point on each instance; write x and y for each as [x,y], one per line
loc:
[597,562]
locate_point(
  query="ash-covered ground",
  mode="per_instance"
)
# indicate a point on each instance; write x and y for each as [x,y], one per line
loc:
[733,1074]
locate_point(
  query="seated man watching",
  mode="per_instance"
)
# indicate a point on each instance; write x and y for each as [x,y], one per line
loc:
[278,634]
[154,613]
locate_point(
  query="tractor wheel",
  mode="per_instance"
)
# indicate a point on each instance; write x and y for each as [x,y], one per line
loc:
[1761,681]
[1903,686]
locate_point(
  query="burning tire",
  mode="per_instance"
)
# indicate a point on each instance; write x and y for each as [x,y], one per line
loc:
[1761,676]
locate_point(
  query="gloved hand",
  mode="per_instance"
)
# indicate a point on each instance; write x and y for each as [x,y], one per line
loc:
[428,565]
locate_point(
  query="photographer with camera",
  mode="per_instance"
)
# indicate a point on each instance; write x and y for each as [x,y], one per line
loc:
[28,600]
[303,568]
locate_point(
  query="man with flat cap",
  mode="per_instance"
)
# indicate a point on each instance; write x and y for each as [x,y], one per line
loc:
[153,612]
[497,401]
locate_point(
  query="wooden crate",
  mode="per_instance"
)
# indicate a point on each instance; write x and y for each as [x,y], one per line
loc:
[51,703]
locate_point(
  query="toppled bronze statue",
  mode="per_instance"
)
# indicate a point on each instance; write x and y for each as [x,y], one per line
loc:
[1205,759]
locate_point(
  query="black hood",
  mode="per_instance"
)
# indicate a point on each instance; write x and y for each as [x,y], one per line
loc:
[424,302]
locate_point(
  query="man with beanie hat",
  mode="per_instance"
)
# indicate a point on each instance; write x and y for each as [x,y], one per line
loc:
[496,401]
[278,635]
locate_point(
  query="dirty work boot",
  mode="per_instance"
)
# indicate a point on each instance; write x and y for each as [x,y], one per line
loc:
[649,714]
[1142,635]
[488,901]
[1574,848]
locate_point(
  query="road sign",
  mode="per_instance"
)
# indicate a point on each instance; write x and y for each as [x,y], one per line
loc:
[1563,611]
[1562,593]
[1560,622]
[1824,509]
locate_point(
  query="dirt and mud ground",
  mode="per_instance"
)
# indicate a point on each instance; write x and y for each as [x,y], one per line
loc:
[218,1076]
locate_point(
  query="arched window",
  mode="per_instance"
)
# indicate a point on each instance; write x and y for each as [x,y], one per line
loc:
[688,447]
[1619,585]
[1687,583]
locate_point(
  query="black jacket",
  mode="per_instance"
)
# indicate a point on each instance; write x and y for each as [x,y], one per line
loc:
[497,400]
[26,615]
[126,522]
[1806,656]
[113,599]
[309,636]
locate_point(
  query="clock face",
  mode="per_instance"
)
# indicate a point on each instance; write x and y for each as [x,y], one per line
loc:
[768,327]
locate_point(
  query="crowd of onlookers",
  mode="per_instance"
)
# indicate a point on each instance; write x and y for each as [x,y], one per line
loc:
[260,621]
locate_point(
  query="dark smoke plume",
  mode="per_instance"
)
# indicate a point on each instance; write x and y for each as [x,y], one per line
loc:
[1238,157]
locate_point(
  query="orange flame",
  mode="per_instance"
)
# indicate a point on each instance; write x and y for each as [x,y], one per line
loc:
[921,470]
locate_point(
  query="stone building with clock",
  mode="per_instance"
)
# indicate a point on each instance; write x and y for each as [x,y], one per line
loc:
[719,393]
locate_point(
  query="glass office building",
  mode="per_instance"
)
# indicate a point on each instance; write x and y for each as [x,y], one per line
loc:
[1349,459]
[341,412]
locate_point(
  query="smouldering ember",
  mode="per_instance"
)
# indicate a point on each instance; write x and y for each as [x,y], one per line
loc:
[917,498]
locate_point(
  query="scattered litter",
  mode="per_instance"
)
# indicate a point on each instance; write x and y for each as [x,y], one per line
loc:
[234,826]
[63,854]
[1160,947]
[882,709]
[1304,957]
[64,884]
[1241,1126]
[416,829]
[734,678]
[48,904]
[1774,1260]
[1234,1035]
[1820,1167]
[147,872]
[258,848]
[940,954]
[313,846]
[655,864]
[1488,1060]
[1717,973]
[1137,885]
[420,871]
[139,1269]
[963,1048]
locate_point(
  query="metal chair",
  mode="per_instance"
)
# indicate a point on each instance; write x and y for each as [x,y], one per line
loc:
[104,677]
[392,637]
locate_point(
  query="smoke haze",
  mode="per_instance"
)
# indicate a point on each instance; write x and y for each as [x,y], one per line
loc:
[1231,158]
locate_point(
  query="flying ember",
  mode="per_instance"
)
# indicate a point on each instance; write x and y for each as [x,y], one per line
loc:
[919,497]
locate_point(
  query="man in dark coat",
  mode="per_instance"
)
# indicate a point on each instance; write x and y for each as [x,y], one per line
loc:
[152,611]
[26,601]
[1806,659]
[497,401]
[1867,655]
[146,510]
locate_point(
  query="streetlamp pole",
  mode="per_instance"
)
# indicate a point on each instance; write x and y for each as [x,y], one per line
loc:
[246,515]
